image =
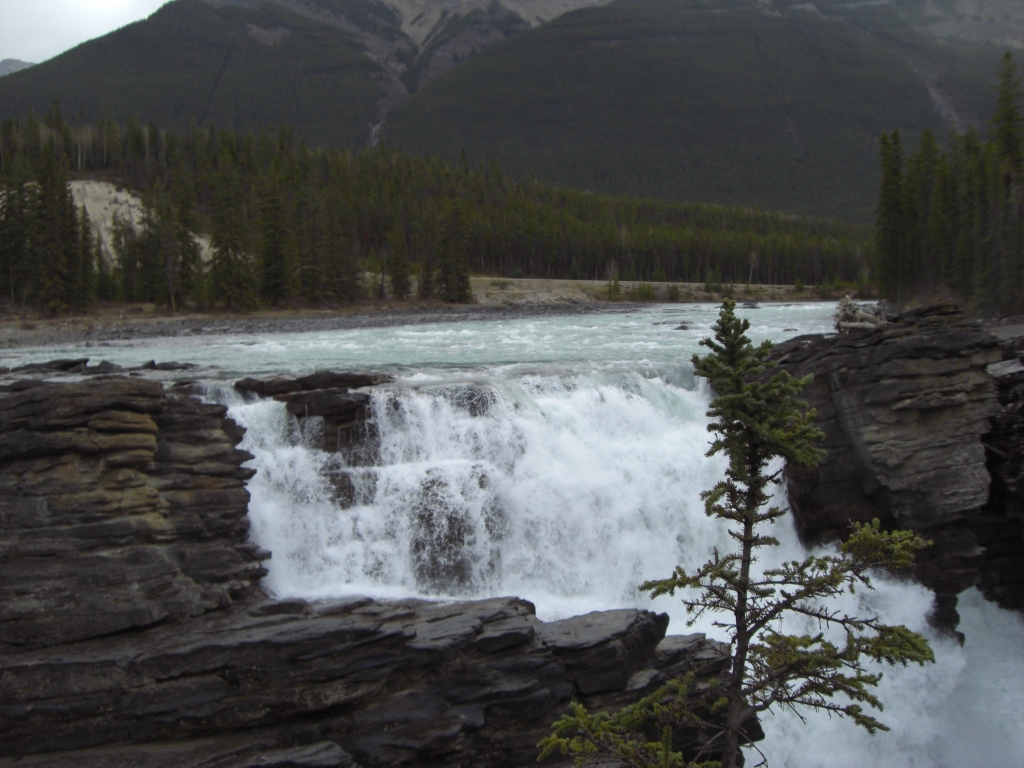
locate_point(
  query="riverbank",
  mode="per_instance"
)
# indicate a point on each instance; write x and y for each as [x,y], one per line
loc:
[495,299]
[108,325]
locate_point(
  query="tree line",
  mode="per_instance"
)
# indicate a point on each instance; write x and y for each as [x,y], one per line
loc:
[953,220]
[286,222]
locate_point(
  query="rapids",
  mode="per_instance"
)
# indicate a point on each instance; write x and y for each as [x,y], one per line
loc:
[562,460]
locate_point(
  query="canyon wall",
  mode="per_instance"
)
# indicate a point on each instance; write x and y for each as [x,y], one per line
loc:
[922,427]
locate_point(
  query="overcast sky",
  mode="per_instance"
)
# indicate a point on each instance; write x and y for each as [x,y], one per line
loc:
[37,30]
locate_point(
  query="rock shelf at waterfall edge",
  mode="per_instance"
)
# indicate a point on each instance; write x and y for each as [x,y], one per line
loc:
[133,629]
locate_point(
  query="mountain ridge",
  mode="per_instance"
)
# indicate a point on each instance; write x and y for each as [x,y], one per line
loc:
[740,104]
[780,109]
[10,66]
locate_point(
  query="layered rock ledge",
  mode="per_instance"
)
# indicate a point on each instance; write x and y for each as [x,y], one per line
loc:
[133,630]
[923,431]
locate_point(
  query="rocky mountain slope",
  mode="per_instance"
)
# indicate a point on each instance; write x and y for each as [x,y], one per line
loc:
[994,21]
[773,103]
[10,66]
[776,105]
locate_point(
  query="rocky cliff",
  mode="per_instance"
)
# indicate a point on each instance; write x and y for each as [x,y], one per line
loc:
[923,432]
[133,630]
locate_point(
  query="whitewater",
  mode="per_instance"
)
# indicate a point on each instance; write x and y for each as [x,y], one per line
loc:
[561,460]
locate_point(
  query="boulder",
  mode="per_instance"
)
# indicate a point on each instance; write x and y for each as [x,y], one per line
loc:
[343,419]
[283,385]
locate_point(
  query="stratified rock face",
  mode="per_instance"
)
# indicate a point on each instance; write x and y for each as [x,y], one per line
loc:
[1000,526]
[133,631]
[906,410]
[120,507]
[405,683]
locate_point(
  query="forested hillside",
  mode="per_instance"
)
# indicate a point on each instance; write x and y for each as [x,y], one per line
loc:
[192,63]
[289,223]
[769,103]
[722,102]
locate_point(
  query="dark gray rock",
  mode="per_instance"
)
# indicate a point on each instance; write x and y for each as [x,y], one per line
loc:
[284,385]
[911,413]
[343,419]
[120,506]
[248,751]
[133,631]
[604,649]
[335,405]
[406,683]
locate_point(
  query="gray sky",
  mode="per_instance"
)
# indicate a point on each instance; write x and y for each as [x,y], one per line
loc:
[37,30]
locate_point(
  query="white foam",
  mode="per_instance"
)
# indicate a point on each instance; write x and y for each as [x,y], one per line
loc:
[571,490]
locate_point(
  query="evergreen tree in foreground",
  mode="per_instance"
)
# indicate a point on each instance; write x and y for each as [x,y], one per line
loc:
[891,269]
[279,273]
[756,419]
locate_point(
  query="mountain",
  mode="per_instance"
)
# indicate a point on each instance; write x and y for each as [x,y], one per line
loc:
[332,69]
[224,63]
[732,102]
[773,103]
[9,66]
[992,21]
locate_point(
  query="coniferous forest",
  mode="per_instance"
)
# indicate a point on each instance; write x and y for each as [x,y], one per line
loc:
[953,220]
[287,223]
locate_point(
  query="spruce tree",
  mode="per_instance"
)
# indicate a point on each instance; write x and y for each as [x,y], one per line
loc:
[276,248]
[942,222]
[51,235]
[189,255]
[1008,123]
[167,286]
[453,270]
[86,296]
[153,254]
[398,264]
[17,200]
[315,281]
[890,221]
[757,419]
[343,267]
[920,268]
[232,272]
[428,274]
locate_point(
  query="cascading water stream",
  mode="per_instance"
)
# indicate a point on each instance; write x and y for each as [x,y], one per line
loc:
[561,460]
[571,490]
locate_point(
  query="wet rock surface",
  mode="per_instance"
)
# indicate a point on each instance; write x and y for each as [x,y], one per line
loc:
[342,418]
[914,414]
[133,630]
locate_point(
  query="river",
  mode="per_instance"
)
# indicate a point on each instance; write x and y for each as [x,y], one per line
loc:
[562,460]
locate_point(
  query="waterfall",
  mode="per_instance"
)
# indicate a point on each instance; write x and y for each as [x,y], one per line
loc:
[569,490]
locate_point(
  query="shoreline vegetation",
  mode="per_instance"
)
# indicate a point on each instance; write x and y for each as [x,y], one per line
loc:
[493,299]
